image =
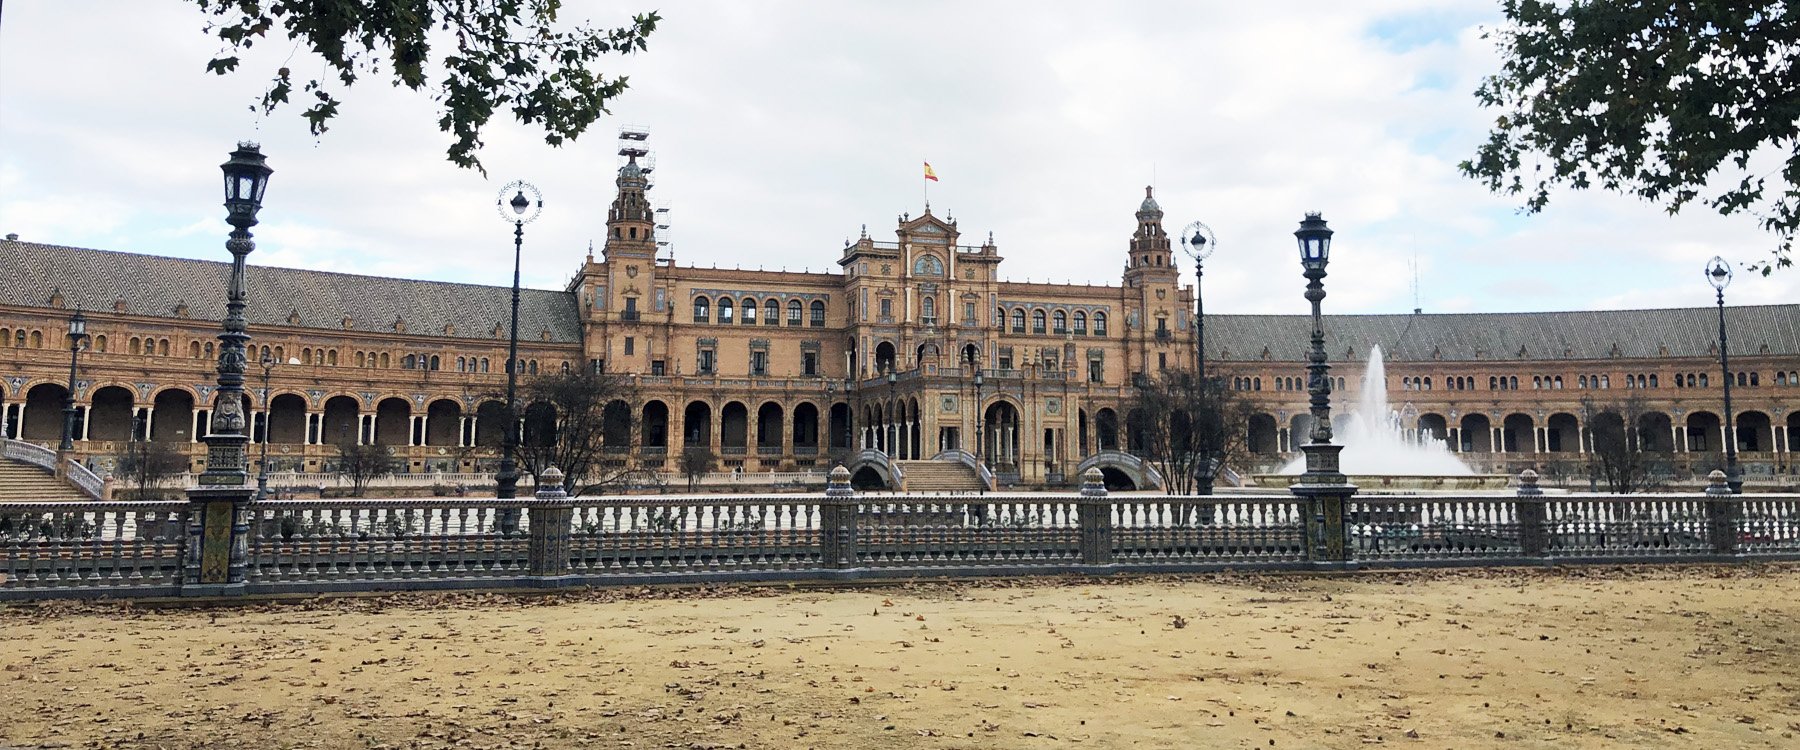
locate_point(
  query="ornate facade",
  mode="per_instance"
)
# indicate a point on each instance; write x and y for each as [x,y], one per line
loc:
[782,371]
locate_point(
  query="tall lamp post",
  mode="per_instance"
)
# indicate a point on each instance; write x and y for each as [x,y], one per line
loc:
[520,209]
[980,414]
[1323,485]
[262,473]
[219,527]
[1718,273]
[77,334]
[1198,241]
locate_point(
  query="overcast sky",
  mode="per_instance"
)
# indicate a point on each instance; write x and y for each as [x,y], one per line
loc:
[782,127]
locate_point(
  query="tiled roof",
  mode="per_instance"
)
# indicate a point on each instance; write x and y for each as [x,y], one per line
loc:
[154,285]
[1684,332]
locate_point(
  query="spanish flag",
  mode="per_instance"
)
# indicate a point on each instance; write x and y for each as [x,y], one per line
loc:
[930,175]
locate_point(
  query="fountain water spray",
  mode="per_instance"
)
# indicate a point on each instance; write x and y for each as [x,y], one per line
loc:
[1377,444]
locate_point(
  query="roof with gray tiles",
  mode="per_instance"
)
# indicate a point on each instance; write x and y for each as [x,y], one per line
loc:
[1606,334]
[154,286]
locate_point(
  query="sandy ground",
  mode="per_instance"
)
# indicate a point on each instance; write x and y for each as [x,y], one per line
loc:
[1641,658]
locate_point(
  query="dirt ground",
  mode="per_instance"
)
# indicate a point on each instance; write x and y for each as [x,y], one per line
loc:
[1616,658]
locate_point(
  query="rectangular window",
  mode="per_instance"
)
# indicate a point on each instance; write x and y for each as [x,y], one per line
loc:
[759,363]
[968,317]
[887,309]
[809,363]
[631,311]
[657,368]
[1006,361]
[630,345]
[706,361]
[1096,371]
[1162,361]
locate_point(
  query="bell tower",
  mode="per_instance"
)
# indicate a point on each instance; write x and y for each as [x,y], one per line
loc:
[631,222]
[1149,259]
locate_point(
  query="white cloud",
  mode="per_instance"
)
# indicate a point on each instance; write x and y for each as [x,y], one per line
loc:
[781,127]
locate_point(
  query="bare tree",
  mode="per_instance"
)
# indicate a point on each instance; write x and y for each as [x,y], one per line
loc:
[573,420]
[695,462]
[1191,428]
[143,463]
[1615,455]
[362,464]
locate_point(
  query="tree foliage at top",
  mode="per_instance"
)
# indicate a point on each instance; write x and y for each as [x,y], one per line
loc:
[503,54]
[1669,101]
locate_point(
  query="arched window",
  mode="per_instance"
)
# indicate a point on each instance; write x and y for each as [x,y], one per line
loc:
[37,339]
[749,317]
[360,360]
[928,309]
[434,362]
[1258,385]
[534,367]
[462,364]
[406,362]
[384,360]
[1099,324]
[331,358]
[484,364]
[99,342]
[702,310]
[1080,323]
[818,313]
[928,265]
[1037,321]
[771,312]
[793,312]
[1059,322]
[1493,383]
[1652,380]
[1018,320]
[725,310]
[1581,381]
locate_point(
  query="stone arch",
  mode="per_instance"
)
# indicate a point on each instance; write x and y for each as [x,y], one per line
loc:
[1262,438]
[1433,426]
[696,422]
[340,422]
[842,428]
[884,356]
[1755,432]
[491,424]
[1518,433]
[769,417]
[443,422]
[1106,430]
[1124,471]
[806,426]
[1655,432]
[615,426]
[734,427]
[870,470]
[1562,433]
[43,413]
[654,430]
[110,413]
[287,418]
[539,425]
[1476,434]
[393,421]
[1001,433]
[173,421]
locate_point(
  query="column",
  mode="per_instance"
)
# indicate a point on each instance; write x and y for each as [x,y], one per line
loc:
[1781,439]
[1676,438]
[82,414]
[1455,435]
[19,416]
[1724,438]
[1497,439]
[150,422]
[1540,439]
[6,420]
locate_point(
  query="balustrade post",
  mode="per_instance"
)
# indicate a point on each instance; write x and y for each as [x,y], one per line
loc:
[837,521]
[1094,512]
[1722,510]
[1529,513]
[550,514]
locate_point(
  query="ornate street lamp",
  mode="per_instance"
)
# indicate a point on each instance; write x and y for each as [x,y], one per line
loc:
[77,334]
[519,203]
[1718,273]
[1323,485]
[246,177]
[980,414]
[218,525]
[1198,241]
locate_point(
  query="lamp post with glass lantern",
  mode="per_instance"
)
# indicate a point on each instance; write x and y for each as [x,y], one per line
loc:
[520,209]
[1718,273]
[1198,241]
[1323,485]
[218,529]
[77,334]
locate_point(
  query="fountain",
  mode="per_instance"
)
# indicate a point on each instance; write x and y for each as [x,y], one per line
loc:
[1380,453]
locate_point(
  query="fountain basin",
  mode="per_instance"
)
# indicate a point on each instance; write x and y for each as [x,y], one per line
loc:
[1374,484]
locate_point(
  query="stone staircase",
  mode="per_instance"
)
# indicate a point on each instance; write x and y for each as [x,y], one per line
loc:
[939,476]
[20,481]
